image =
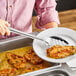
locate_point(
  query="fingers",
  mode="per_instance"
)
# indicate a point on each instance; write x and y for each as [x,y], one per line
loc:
[4,22]
[4,28]
[7,31]
[7,24]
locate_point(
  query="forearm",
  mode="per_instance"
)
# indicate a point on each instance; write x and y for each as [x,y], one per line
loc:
[50,25]
[47,15]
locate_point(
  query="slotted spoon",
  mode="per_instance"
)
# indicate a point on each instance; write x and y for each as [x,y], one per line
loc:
[59,39]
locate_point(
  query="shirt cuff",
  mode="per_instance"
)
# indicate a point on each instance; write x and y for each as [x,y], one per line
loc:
[47,17]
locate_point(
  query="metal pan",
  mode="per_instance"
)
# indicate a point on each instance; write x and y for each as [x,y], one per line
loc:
[64,70]
[21,41]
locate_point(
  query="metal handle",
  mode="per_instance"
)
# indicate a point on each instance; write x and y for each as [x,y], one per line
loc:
[66,67]
[26,34]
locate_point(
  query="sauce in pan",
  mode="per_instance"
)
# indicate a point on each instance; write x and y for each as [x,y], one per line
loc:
[20,61]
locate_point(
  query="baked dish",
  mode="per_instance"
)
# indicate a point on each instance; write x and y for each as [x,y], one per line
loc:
[20,61]
[32,57]
[7,72]
[58,51]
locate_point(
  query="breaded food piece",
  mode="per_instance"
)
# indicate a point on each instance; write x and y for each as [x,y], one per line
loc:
[58,51]
[7,72]
[32,57]
[15,60]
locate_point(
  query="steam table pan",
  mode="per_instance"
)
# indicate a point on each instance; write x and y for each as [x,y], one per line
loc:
[21,41]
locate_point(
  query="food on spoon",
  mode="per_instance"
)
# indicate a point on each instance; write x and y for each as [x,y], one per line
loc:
[32,57]
[15,60]
[58,51]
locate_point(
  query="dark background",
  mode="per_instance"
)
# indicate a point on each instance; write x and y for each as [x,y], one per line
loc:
[63,5]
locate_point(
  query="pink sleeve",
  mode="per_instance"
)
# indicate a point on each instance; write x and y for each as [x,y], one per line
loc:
[46,12]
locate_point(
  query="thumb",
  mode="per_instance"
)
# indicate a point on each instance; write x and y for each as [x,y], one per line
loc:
[7,24]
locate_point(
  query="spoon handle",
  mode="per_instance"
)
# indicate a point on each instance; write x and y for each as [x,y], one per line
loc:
[26,34]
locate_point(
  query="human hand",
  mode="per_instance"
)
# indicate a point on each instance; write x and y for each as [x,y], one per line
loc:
[50,25]
[4,27]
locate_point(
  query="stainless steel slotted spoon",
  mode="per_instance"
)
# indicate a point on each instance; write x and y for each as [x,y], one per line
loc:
[54,39]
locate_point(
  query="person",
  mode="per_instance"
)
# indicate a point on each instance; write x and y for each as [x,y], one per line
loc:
[18,14]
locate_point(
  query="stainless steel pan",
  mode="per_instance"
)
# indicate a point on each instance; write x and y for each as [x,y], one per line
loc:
[21,41]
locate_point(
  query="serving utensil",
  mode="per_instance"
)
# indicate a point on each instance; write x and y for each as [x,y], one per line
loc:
[59,39]
[60,36]
[50,40]
[55,40]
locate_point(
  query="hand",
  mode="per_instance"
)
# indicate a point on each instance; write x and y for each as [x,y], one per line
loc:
[4,27]
[50,25]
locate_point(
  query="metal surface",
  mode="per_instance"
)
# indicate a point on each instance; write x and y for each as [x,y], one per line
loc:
[64,70]
[67,68]
[60,39]
[55,73]
[20,41]
[17,42]
[35,37]
[61,32]
[28,35]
